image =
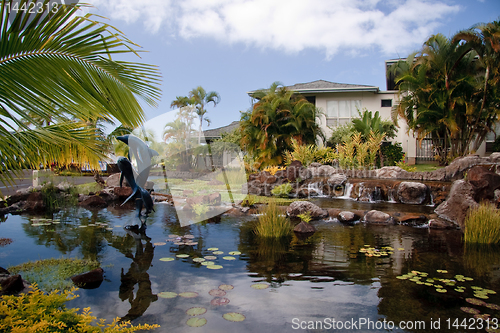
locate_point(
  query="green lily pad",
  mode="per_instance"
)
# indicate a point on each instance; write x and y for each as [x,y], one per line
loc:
[198,259]
[226,287]
[402,277]
[188,236]
[488,291]
[188,294]
[260,286]
[459,290]
[210,257]
[441,290]
[167,294]
[196,311]
[235,253]
[182,255]
[469,310]
[482,296]
[167,259]
[228,258]
[475,301]
[196,322]
[233,316]
[208,263]
[218,252]
[493,306]
[179,243]
[212,249]
[214,266]
[442,271]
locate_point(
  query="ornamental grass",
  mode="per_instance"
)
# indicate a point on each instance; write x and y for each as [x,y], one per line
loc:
[272,223]
[482,225]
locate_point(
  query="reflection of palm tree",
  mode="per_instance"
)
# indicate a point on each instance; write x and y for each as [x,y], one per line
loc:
[137,274]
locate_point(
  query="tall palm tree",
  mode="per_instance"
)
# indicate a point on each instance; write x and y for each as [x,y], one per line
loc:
[200,98]
[58,65]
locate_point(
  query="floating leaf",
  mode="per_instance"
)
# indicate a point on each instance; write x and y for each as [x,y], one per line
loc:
[476,288]
[212,249]
[214,266]
[173,236]
[488,291]
[459,290]
[196,311]
[235,253]
[210,257]
[167,294]
[233,316]
[442,271]
[402,277]
[208,263]
[475,301]
[441,290]
[400,249]
[198,259]
[217,293]
[483,316]
[182,255]
[226,287]
[219,301]
[188,294]
[159,243]
[191,243]
[469,310]
[166,259]
[179,243]
[260,286]
[218,252]
[228,258]
[482,296]
[196,322]
[493,306]
[188,236]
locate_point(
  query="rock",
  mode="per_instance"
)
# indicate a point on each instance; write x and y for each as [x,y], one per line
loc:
[299,207]
[94,201]
[457,168]
[214,198]
[21,195]
[337,179]
[441,224]
[292,171]
[412,193]
[460,200]
[304,228]
[34,203]
[122,192]
[315,165]
[391,172]
[11,285]
[485,182]
[347,217]
[326,171]
[89,280]
[65,186]
[378,217]
[114,181]
[412,220]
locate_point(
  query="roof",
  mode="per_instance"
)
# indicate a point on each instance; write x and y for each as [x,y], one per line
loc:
[216,132]
[327,86]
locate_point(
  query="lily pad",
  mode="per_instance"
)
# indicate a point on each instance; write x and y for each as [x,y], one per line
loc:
[214,266]
[212,249]
[188,294]
[226,287]
[228,258]
[217,293]
[218,252]
[159,243]
[179,243]
[182,255]
[173,236]
[167,259]
[233,316]
[167,294]
[188,236]
[235,253]
[191,243]
[210,257]
[208,263]
[219,301]
[493,306]
[475,301]
[469,310]
[441,290]
[483,316]
[196,311]
[196,322]
[260,286]
[442,271]
[198,259]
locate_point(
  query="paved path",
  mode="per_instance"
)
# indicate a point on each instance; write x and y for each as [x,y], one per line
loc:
[26,180]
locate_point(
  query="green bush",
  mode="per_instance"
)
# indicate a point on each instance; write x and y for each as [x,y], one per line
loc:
[392,153]
[39,312]
[282,190]
[272,222]
[482,225]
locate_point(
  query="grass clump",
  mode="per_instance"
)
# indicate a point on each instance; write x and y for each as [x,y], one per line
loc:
[39,312]
[482,225]
[282,190]
[306,217]
[51,274]
[272,223]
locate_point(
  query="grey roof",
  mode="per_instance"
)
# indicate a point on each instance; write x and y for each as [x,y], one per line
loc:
[327,86]
[216,132]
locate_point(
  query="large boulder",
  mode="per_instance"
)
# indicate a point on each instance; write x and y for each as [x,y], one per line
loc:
[299,207]
[485,182]
[460,200]
[459,166]
[94,201]
[89,280]
[392,172]
[337,179]
[304,228]
[412,193]
[347,217]
[292,171]
[377,217]
[114,181]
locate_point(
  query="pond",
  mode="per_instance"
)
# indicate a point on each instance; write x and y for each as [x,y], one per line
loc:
[359,276]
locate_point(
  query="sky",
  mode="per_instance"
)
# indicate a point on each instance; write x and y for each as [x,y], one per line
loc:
[236,46]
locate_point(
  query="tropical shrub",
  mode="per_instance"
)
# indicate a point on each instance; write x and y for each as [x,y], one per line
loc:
[482,225]
[39,312]
[355,153]
[272,223]
[272,169]
[307,154]
[282,190]
[391,154]
[306,217]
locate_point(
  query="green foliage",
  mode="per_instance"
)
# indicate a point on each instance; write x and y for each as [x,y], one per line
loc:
[39,312]
[355,153]
[282,190]
[272,169]
[276,118]
[341,134]
[482,225]
[369,122]
[306,217]
[51,274]
[391,153]
[53,200]
[200,209]
[272,223]
[249,201]
[307,154]
[402,164]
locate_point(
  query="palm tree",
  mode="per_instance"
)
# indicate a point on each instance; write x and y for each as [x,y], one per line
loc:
[200,98]
[58,65]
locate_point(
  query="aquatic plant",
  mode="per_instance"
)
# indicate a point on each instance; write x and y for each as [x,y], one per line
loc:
[482,225]
[51,274]
[306,217]
[39,312]
[272,223]
[200,209]
[249,201]
[282,190]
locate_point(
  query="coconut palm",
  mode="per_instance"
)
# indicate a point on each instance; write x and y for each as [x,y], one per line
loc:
[200,98]
[60,66]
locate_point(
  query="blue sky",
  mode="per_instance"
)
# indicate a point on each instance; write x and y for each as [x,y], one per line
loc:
[235,46]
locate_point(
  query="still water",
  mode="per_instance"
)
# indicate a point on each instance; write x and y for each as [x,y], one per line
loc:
[307,283]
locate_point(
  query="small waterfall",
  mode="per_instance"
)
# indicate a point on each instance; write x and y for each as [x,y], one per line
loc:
[347,191]
[315,188]
[390,195]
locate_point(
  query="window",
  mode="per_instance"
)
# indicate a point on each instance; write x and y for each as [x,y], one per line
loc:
[341,112]
[386,103]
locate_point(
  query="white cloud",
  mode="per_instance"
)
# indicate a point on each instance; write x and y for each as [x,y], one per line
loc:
[292,25]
